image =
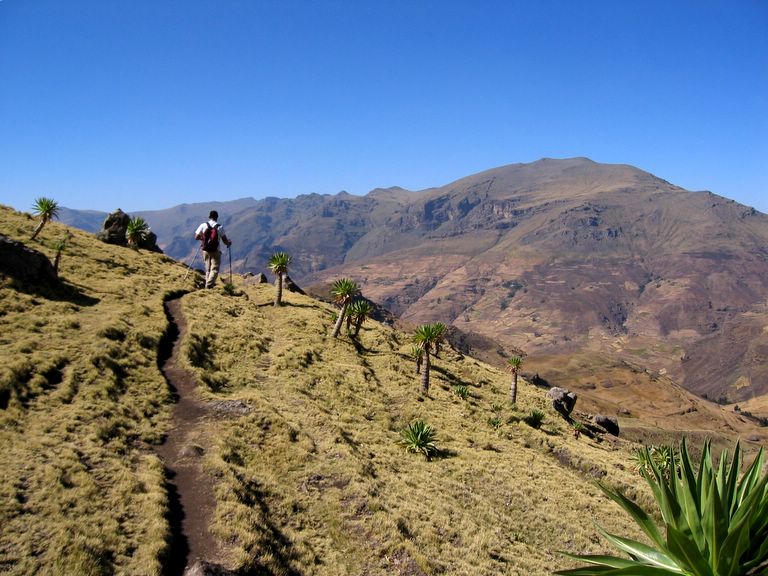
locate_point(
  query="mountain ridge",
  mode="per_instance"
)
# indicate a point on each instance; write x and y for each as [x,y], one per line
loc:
[553,255]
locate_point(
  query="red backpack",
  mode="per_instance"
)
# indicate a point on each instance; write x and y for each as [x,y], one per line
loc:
[211,238]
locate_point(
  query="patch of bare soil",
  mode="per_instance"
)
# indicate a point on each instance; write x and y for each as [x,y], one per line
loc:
[190,489]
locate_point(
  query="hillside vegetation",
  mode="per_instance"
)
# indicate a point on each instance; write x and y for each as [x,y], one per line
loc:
[301,438]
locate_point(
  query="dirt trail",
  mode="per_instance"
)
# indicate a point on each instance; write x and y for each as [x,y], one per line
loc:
[190,489]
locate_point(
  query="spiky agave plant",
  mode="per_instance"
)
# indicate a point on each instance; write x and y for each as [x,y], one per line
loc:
[440,329]
[663,456]
[59,247]
[715,523]
[535,418]
[136,232]
[419,437]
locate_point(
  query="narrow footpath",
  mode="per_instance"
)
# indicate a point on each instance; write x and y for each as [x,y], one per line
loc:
[190,489]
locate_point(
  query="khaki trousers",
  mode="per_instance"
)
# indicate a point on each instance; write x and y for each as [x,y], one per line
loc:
[212,264]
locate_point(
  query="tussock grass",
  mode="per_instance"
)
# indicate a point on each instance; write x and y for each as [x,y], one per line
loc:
[314,480]
[81,404]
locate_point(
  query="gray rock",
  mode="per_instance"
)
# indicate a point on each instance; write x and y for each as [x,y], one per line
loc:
[249,279]
[150,243]
[25,264]
[609,423]
[191,451]
[202,568]
[563,401]
[291,286]
[231,407]
[114,228]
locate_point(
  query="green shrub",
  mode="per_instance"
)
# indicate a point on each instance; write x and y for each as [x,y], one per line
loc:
[461,391]
[534,419]
[715,524]
[419,437]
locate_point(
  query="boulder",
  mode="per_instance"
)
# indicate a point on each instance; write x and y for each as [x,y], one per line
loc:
[150,243]
[563,401]
[291,286]
[114,228]
[249,279]
[25,264]
[609,423]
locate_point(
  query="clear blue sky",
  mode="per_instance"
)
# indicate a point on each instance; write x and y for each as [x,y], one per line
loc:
[146,104]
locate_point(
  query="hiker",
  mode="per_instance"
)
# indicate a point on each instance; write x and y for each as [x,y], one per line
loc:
[210,234]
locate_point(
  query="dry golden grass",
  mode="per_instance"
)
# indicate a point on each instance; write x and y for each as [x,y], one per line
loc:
[312,479]
[82,491]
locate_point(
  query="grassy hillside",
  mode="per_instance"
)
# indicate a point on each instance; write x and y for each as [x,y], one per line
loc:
[83,404]
[300,438]
[312,480]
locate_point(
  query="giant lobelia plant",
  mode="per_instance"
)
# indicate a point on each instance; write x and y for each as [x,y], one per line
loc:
[715,523]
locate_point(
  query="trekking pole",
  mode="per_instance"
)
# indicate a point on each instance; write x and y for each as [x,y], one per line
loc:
[192,263]
[229,251]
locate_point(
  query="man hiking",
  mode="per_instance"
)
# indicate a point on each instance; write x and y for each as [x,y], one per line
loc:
[211,234]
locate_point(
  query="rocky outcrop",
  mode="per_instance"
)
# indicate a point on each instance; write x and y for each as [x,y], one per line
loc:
[249,279]
[609,423]
[150,242]
[563,401]
[291,286]
[114,229]
[25,264]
